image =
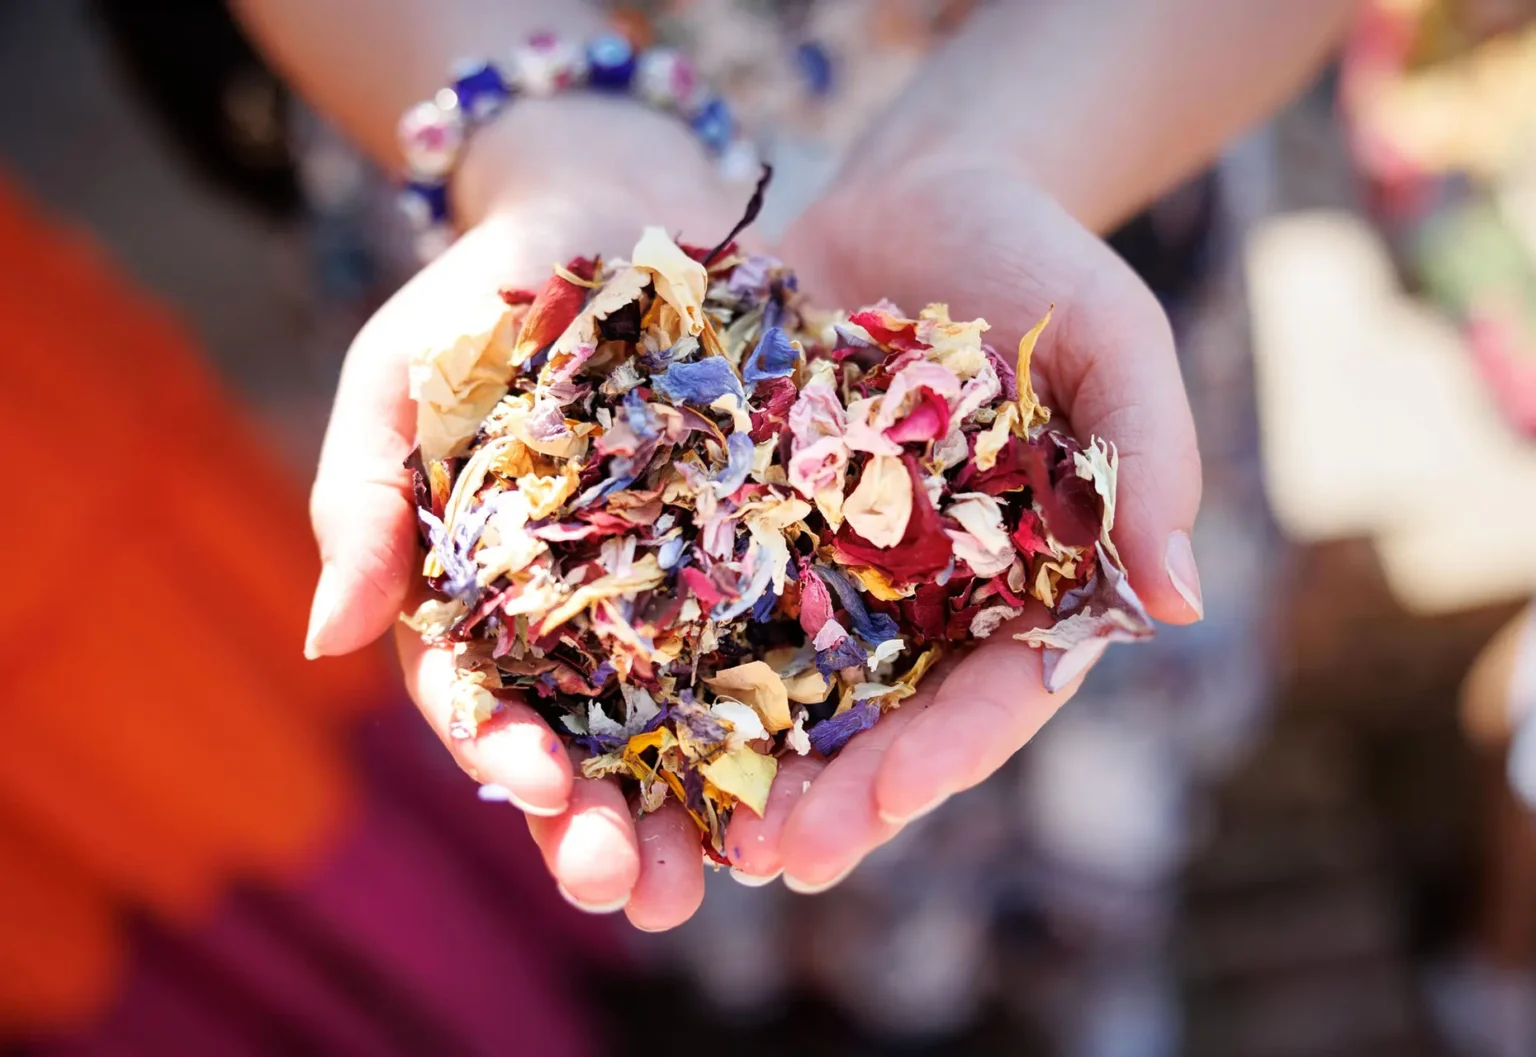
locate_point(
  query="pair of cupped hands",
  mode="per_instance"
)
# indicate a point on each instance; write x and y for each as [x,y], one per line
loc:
[573,177]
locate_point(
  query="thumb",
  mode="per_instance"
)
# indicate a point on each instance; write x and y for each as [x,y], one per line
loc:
[362,508]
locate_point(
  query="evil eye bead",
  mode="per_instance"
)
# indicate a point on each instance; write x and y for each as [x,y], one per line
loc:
[548,64]
[713,124]
[424,203]
[611,62]
[481,90]
[431,136]
[667,79]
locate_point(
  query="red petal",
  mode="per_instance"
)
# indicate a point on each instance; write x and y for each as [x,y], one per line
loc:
[515,296]
[1029,537]
[815,600]
[701,586]
[927,611]
[777,396]
[923,551]
[929,420]
[558,303]
[1071,507]
[891,331]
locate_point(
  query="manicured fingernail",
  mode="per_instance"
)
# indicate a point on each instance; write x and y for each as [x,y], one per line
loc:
[1179,560]
[927,809]
[752,880]
[592,908]
[322,612]
[806,888]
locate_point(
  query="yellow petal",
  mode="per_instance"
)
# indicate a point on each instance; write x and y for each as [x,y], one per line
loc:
[680,280]
[881,505]
[1031,412]
[758,685]
[745,775]
[877,584]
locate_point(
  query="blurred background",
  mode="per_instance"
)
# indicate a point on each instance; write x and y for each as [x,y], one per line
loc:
[1302,828]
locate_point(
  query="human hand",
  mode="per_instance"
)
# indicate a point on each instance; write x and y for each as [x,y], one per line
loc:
[545,183]
[983,239]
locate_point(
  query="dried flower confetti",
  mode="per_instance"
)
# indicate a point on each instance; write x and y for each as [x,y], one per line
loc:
[698,525]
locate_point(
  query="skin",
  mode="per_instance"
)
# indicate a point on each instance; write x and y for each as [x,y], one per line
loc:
[975,191]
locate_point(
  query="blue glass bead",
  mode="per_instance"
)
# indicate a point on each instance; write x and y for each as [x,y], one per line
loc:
[815,66]
[713,124]
[425,203]
[611,62]
[481,89]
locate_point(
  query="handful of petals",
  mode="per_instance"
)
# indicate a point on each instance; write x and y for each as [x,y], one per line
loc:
[697,524]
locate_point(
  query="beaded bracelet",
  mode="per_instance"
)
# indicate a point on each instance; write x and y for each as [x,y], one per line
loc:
[434,132]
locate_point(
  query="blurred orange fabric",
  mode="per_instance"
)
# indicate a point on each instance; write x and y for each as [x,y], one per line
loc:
[160,731]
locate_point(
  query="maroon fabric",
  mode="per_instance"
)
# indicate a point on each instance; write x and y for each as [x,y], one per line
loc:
[431,927]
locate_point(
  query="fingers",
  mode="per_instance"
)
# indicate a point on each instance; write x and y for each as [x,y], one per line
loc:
[984,711]
[753,843]
[1112,364]
[836,823]
[671,884]
[515,749]
[591,849]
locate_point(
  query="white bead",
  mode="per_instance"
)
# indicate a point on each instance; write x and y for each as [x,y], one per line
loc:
[667,79]
[548,64]
[430,138]
[740,162]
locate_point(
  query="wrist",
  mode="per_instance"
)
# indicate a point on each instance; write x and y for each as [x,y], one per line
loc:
[579,145]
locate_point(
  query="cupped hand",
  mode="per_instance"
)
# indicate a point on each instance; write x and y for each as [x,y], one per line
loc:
[547,184]
[980,239]
[984,240]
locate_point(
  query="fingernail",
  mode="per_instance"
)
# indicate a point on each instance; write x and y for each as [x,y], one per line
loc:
[752,880]
[902,820]
[533,809]
[1074,663]
[806,888]
[1179,560]
[592,908]
[322,612]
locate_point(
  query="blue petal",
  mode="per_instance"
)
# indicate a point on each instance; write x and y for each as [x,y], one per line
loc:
[774,357]
[645,423]
[762,579]
[873,628]
[735,473]
[762,609]
[845,654]
[700,384]
[833,733]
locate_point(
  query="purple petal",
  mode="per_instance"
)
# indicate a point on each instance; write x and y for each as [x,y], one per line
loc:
[833,733]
